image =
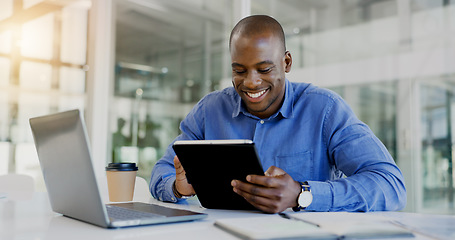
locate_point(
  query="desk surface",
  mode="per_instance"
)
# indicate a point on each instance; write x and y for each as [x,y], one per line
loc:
[33,219]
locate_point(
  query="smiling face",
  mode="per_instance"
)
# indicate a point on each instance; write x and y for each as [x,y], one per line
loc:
[259,64]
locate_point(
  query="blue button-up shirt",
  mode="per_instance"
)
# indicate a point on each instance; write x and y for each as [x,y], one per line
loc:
[314,137]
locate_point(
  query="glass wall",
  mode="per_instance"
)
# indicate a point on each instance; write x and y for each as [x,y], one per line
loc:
[168,55]
[376,105]
[42,71]
[393,61]
[437,117]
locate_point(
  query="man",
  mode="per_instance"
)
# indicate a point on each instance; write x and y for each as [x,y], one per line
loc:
[306,137]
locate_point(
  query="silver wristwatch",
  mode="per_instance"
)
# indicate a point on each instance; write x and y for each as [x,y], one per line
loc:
[305,198]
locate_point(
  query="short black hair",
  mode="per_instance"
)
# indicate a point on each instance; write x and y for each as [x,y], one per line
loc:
[256,24]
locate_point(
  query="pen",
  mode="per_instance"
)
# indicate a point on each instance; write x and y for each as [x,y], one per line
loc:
[287,216]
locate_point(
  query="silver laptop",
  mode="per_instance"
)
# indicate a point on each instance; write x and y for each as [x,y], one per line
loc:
[64,154]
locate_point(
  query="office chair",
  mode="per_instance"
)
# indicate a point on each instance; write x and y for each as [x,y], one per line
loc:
[141,190]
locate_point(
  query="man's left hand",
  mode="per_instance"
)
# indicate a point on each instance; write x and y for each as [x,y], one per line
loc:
[272,193]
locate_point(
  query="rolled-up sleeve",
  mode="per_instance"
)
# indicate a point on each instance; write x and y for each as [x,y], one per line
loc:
[162,179]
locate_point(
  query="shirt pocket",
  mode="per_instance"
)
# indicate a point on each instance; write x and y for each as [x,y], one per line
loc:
[298,165]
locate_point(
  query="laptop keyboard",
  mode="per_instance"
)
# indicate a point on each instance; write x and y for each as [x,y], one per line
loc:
[119,213]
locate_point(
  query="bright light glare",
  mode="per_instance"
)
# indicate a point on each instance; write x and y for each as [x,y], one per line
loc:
[35,75]
[72,80]
[74,34]
[4,71]
[6,10]
[5,42]
[31,3]
[37,37]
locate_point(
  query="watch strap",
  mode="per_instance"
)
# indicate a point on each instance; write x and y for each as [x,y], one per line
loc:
[177,194]
[305,187]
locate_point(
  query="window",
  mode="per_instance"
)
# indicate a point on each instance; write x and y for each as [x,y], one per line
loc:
[393,63]
[168,55]
[42,59]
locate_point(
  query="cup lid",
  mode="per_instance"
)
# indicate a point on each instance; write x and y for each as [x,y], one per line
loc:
[121,167]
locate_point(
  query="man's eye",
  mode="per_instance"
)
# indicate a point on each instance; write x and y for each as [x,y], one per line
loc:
[238,71]
[266,70]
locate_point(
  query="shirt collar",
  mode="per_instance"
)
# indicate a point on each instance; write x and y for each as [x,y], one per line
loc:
[286,109]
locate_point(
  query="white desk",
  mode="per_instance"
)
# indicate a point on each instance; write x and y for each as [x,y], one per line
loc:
[33,219]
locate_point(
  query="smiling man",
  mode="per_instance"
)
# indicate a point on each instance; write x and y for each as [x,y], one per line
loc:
[259,63]
[317,154]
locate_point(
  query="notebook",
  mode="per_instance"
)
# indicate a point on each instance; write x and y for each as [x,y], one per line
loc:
[221,161]
[64,154]
[314,225]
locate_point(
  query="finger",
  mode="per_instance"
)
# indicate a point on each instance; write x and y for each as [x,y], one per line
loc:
[269,182]
[180,174]
[274,171]
[262,203]
[181,183]
[178,166]
[177,163]
[258,202]
[253,190]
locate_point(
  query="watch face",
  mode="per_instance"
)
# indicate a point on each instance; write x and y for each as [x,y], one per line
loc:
[305,198]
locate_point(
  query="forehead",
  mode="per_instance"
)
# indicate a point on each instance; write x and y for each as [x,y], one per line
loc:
[257,48]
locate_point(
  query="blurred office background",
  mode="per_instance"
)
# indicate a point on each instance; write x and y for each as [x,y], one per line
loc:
[136,68]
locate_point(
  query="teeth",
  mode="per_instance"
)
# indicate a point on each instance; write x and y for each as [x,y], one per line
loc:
[256,95]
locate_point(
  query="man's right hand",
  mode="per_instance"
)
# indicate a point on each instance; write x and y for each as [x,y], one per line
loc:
[181,183]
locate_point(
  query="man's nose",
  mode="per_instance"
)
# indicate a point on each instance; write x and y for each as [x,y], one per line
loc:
[253,79]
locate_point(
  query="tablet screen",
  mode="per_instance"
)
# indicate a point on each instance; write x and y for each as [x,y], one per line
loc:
[211,165]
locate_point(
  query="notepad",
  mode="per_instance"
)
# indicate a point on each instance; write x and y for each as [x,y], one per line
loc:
[276,227]
[354,225]
[272,227]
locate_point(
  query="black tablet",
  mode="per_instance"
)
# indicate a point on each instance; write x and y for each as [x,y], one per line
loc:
[211,165]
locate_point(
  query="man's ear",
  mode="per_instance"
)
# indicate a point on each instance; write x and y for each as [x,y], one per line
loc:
[287,61]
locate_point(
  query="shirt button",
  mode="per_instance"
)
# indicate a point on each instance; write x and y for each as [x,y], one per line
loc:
[262,121]
[173,199]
